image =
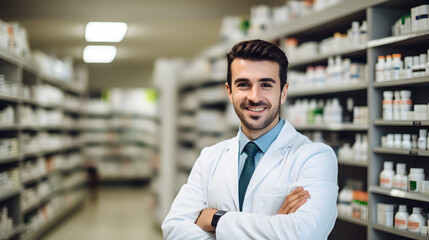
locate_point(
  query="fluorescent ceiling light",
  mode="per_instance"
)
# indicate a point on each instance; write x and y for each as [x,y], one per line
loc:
[99,54]
[105,31]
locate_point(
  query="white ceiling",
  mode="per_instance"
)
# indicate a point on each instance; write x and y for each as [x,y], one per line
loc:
[156,28]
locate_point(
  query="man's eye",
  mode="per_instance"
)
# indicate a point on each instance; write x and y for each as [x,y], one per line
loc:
[266,85]
[242,85]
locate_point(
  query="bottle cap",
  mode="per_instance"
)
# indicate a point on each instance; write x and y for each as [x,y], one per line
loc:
[406,136]
[403,207]
[423,132]
[388,94]
[388,165]
[416,170]
[381,58]
[396,55]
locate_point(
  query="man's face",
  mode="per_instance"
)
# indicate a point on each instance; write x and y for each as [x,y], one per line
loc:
[255,94]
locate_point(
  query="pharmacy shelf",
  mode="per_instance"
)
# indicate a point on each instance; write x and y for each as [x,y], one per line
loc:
[353,220]
[400,41]
[407,152]
[352,163]
[399,193]
[327,89]
[410,123]
[12,127]
[353,51]
[402,233]
[9,99]
[9,194]
[54,221]
[332,127]
[415,81]
[12,234]
[11,159]
[36,205]
[332,16]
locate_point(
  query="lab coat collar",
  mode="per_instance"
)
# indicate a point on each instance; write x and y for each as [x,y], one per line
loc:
[271,158]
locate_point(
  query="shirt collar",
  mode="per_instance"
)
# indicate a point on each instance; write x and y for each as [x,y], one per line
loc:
[263,141]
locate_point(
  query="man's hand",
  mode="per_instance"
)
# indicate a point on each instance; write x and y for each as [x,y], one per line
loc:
[204,221]
[294,200]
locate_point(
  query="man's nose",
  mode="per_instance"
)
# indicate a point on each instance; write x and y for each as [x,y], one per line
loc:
[254,94]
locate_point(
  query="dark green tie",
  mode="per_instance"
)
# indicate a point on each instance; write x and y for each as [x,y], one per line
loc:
[249,167]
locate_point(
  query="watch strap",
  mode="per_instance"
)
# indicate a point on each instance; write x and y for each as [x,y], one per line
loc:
[216,218]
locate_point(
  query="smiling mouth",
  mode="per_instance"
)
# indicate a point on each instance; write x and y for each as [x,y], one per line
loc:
[255,109]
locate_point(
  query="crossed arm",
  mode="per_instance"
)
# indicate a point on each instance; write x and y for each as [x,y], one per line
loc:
[292,202]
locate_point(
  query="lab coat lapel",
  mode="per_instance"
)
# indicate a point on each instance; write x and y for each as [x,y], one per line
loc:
[231,170]
[273,156]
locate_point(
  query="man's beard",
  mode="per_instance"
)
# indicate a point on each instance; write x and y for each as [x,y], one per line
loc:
[264,124]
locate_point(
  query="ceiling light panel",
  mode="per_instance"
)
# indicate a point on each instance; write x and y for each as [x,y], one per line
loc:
[99,54]
[105,31]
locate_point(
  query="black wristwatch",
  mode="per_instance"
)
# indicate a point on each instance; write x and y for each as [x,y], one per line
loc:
[216,218]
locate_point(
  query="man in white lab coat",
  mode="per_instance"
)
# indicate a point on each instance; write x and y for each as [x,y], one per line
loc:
[268,182]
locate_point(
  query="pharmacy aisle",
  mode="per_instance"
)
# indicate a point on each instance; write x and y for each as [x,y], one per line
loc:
[121,213]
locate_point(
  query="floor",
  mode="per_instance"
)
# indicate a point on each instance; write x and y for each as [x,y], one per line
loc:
[121,213]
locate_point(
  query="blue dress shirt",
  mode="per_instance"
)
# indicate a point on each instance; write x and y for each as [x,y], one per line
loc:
[263,143]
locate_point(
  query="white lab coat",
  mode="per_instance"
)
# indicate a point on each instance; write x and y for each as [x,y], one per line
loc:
[292,160]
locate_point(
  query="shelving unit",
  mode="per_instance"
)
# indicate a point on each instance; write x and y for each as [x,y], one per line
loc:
[380,15]
[26,78]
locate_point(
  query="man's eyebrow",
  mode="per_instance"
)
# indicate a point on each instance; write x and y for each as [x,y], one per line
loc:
[239,80]
[267,80]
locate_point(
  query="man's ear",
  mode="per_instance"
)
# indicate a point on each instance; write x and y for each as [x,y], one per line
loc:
[229,91]
[284,93]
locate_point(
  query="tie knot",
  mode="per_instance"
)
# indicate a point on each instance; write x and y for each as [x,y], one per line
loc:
[251,149]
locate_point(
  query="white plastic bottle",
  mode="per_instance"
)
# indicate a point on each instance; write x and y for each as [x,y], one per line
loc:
[357,147]
[401,218]
[416,220]
[397,143]
[397,106]
[422,65]
[406,141]
[386,176]
[364,149]
[421,142]
[416,66]
[337,111]
[388,68]
[400,179]
[388,105]
[406,104]
[415,179]
[396,66]
[363,33]
[379,69]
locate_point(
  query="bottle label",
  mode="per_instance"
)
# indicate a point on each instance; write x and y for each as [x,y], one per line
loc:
[413,226]
[413,185]
[384,181]
[400,223]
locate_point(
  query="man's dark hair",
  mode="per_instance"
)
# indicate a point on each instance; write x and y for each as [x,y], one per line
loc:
[259,50]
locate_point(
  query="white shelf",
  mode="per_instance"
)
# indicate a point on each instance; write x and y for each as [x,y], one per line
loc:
[402,233]
[360,49]
[352,163]
[424,35]
[9,159]
[353,220]
[415,81]
[9,194]
[399,193]
[326,88]
[410,123]
[10,99]
[332,127]
[408,152]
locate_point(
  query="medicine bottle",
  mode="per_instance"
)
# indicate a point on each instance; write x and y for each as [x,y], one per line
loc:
[421,142]
[408,65]
[388,105]
[396,66]
[390,140]
[422,66]
[415,179]
[401,218]
[379,69]
[406,104]
[406,141]
[416,220]
[414,138]
[397,143]
[416,65]
[386,176]
[400,180]
[397,106]
[388,68]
